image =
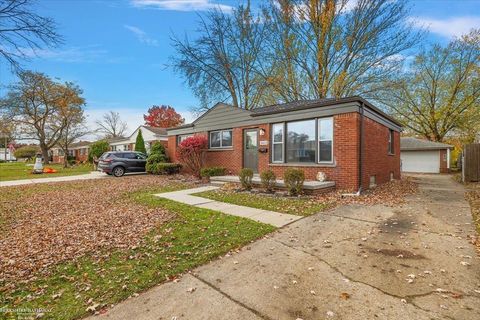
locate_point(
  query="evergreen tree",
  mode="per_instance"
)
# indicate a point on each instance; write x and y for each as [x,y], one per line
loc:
[140,143]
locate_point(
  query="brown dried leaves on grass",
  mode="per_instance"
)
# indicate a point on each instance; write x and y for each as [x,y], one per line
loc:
[68,220]
[390,194]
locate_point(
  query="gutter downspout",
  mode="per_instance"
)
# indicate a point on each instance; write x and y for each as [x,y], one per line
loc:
[360,155]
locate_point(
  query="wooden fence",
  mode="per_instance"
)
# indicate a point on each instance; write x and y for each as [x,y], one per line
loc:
[471,163]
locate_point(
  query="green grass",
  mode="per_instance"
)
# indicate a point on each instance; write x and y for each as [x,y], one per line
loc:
[303,206]
[20,170]
[193,238]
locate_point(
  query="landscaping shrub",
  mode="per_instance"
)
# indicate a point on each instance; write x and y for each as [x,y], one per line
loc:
[294,179]
[213,171]
[158,148]
[163,168]
[268,180]
[140,143]
[157,156]
[191,153]
[27,152]
[246,176]
[97,149]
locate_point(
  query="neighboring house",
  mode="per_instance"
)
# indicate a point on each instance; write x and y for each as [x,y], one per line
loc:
[7,154]
[150,135]
[424,156]
[78,150]
[322,135]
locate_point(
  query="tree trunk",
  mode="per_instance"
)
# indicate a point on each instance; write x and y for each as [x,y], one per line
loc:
[44,149]
[65,158]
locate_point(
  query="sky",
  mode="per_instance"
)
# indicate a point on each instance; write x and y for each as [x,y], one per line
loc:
[118,51]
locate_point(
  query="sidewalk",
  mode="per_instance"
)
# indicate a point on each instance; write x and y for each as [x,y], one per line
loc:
[276,219]
[91,175]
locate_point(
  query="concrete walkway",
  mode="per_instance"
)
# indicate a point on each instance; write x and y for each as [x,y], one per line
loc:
[276,219]
[414,261]
[91,175]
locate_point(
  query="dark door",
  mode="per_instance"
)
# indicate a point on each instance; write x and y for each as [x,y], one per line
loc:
[250,149]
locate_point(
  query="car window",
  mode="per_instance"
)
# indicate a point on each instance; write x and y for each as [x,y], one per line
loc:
[129,155]
[141,156]
[105,156]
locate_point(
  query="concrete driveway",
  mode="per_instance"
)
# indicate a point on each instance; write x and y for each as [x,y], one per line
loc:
[355,262]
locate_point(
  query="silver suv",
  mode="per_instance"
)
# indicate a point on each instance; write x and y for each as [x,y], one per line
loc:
[117,163]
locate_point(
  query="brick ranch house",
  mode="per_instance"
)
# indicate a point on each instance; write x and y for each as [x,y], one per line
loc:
[78,150]
[349,139]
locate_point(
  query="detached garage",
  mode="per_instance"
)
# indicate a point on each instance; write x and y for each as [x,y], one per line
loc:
[423,156]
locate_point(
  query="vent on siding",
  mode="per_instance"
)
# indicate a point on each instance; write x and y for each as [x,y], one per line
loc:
[373,181]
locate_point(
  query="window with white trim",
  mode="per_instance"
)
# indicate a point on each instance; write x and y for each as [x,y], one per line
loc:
[325,140]
[305,141]
[221,139]
[183,137]
[277,142]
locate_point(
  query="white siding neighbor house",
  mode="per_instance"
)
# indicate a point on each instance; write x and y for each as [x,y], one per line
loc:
[150,135]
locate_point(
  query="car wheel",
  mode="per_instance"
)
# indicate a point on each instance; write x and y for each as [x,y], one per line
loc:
[118,171]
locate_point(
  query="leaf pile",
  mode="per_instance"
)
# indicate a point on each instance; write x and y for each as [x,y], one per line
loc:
[389,194]
[64,221]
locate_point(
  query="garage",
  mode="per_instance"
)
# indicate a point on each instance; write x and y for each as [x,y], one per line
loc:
[423,156]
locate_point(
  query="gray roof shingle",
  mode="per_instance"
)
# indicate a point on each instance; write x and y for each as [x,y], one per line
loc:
[410,143]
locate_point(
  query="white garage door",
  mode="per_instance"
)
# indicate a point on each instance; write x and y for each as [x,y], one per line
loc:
[420,161]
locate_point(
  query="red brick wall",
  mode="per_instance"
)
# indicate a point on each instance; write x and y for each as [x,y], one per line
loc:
[376,159]
[443,161]
[345,169]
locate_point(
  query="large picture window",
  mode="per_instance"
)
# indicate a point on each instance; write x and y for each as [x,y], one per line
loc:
[301,141]
[306,141]
[221,139]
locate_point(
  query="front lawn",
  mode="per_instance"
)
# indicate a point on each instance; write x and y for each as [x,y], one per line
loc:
[21,170]
[107,245]
[301,206]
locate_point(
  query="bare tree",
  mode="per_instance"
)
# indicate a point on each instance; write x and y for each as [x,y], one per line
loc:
[111,125]
[37,106]
[23,32]
[75,128]
[440,93]
[337,48]
[221,64]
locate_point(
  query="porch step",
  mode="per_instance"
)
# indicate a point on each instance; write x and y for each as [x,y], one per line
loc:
[307,185]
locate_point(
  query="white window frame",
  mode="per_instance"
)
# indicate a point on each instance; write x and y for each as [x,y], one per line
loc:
[319,120]
[221,139]
[182,137]
[282,143]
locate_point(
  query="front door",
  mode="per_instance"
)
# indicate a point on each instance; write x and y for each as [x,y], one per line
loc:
[250,149]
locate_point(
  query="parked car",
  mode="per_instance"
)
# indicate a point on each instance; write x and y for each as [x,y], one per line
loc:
[117,163]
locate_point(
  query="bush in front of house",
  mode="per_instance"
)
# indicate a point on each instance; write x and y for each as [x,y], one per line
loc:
[294,179]
[191,153]
[158,156]
[164,168]
[246,176]
[268,179]
[212,172]
[158,148]
[97,149]
[26,152]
